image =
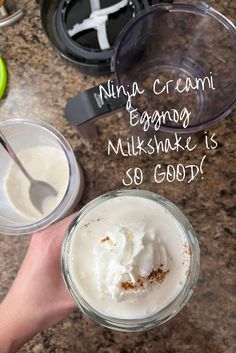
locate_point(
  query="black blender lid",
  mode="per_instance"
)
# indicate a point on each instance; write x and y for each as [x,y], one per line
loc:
[85,31]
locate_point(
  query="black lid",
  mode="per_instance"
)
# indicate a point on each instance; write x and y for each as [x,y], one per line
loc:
[98,23]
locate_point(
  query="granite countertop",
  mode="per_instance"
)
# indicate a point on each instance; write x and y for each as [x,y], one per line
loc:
[39,87]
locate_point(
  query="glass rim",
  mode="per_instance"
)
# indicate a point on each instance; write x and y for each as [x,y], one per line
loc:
[197,9]
[71,161]
[162,315]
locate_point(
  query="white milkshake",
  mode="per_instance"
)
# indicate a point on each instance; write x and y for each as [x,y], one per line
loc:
[44,163]
[48,157]
[129,257]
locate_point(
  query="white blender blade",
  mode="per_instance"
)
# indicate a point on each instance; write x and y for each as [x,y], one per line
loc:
[97,20]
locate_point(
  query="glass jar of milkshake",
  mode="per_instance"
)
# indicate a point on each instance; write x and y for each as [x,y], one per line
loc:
[130,260]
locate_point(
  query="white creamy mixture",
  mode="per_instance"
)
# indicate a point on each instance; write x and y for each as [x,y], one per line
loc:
[44,163]
[129,257]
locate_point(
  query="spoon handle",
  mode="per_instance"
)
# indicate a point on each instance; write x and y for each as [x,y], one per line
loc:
[12,154]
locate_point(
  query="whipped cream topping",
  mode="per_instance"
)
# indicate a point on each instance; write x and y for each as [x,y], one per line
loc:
[126,257]
[129,257]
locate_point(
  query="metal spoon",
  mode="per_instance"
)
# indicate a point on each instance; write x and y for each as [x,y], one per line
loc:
[38,190]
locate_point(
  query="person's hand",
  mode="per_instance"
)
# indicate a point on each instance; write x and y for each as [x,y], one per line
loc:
[38,298]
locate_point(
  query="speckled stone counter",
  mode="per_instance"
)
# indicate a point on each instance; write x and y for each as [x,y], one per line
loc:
[39,87]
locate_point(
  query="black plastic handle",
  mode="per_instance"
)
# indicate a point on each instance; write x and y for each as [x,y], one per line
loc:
[89,105]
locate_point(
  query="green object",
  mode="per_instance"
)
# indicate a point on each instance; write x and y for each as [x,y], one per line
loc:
[3,77]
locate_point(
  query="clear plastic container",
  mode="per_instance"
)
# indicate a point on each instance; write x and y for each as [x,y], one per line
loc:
[167,312]
[163,45]
[22,134]
[191,43]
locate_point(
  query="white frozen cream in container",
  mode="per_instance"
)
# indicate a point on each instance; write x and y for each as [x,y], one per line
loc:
[44,163]
[48,157]
[129,257]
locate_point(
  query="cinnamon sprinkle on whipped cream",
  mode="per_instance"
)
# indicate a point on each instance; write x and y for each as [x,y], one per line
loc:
[129,258]
[156,276]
